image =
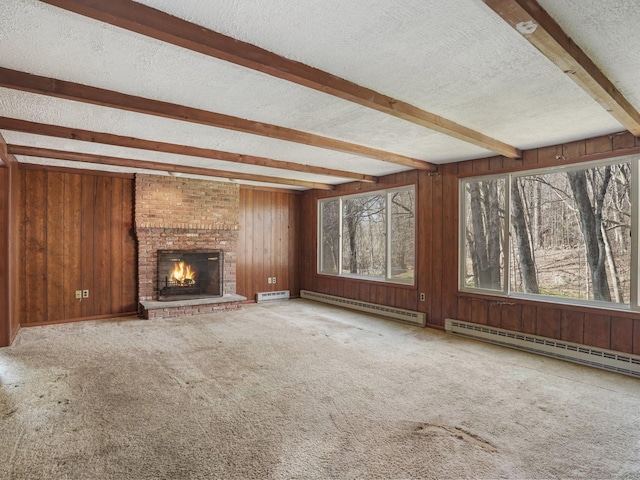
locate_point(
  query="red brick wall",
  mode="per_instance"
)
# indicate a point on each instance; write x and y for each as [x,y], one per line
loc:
[184,214]
[174,202]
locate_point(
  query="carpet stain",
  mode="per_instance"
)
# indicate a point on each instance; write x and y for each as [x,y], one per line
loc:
[456,432]
[6,415]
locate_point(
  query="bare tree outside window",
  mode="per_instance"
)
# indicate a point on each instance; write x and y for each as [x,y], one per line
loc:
[370,235]
[483,234]
[402,235]
[583,247]
[570,233]
[364,226]
[330,236]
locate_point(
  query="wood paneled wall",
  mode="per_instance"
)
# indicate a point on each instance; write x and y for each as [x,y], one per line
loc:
[400,296]
[4,257]
[437,255]
[76,234]
[9,246]
[596,327]
[267,241]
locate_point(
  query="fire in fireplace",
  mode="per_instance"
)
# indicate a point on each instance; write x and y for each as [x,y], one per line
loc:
[189,274]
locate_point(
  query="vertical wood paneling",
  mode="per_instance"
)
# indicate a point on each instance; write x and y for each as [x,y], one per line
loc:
[494,314]
[291,250]
[437,266]
[116,241]
[530,158]
[267,237]
[244,255]
[424,242]
[548,324]
[14,229]
[86,242]
[479,311]
[572,326]
[102,281]
[599,145]
[636,337]
[55,247]
[11,248]
[622,334]
[76,235]
[72,245]
[624,140]
[267,242]
[548,155]
[283,243]
[364,293]
[275,268]
[597,330]
[511,317]
[464,309]
[257,266]
[529,318]
[574,149]
[35,248]
[449,242]
[23,250]
[5,235]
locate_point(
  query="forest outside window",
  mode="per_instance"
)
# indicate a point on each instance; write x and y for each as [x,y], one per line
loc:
[561,235]
[369,235]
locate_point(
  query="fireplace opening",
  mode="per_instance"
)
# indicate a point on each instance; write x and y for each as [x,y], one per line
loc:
[185,274]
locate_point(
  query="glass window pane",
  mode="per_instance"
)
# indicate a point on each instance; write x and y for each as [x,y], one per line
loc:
[329,236]
[364,236]
[571,234]
[402,233]
[483,234]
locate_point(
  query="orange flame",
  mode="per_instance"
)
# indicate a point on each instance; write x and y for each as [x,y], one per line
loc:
[183,274]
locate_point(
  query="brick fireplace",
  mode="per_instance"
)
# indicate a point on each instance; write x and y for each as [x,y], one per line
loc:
[174,213]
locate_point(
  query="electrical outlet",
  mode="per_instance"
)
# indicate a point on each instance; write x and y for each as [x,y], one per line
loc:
[269,280]
[273,280]
[85,294]
[423,297]
[78,293]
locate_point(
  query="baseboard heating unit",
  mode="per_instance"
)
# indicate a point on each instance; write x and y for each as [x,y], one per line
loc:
[572,352]
[408,316]
[271,296]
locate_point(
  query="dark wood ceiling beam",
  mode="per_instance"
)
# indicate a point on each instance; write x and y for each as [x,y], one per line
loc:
[158,166]
[98,96]
[24,126]
[167,28]
[537,26]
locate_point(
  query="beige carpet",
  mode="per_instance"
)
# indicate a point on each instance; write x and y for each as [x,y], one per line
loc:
[302,390]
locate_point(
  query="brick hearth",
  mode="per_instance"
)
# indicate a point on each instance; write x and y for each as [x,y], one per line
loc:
[185,214]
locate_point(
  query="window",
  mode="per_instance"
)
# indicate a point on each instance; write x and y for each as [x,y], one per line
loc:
[369,235]
[564,235]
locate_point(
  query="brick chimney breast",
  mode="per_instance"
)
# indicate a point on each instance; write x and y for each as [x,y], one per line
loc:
[184,214]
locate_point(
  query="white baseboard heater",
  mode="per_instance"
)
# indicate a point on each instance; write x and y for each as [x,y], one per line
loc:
[271,296]
[572,352]
[407,316]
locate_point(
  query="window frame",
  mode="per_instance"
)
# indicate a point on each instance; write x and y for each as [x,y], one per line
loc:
[388,245]
[634,302]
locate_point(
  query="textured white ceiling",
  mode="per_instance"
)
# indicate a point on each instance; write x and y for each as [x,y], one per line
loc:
[456,59]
